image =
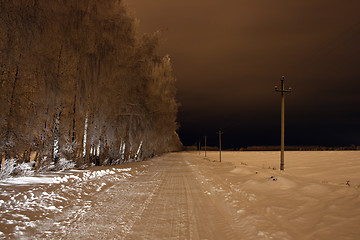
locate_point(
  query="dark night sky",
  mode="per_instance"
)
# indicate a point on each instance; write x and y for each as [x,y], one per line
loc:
[228,56]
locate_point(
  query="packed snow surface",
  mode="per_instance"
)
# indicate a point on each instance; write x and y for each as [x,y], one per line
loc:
[189,196]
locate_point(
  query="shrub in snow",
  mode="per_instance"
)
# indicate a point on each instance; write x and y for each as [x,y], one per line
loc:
[86,166]
[69,148]
[117,161]
[24,169]
[106,162]
[64,164]
[10,167]
[46,165]
[7,168]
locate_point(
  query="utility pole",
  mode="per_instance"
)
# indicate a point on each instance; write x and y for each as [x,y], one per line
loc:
[199,147]
[220,132]
[205,146]
[282,90]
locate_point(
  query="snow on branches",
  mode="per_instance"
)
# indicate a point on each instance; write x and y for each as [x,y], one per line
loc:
[78,82]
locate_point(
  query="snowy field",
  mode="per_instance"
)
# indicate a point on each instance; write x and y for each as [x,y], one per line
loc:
[316,197]
[328,167]
[187,196]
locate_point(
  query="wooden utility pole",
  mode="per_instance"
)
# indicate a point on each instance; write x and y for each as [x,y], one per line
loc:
[199,147]
[205,146]
[220,132]
[282,90]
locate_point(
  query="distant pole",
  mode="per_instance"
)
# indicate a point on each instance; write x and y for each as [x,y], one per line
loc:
[199,147]
[282,90]
[205,146]
[220,132]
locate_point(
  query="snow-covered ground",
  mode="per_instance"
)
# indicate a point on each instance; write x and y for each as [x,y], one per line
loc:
[187,196]
[316,197]
[328,167]
[25,202]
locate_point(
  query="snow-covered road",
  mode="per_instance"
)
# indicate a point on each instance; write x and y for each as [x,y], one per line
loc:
[178,196]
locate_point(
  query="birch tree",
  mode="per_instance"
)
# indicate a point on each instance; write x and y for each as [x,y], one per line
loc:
[77,81]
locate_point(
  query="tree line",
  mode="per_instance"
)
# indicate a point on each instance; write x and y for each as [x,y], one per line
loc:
[78,82]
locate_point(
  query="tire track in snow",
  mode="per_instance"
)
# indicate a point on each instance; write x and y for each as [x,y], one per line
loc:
[181,209]
[114,211]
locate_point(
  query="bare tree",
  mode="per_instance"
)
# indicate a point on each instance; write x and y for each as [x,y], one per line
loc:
[78,82]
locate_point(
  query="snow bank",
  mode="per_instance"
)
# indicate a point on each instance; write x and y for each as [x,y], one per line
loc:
[28,180]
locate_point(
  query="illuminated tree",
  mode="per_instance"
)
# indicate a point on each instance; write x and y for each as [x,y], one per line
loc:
[77,82]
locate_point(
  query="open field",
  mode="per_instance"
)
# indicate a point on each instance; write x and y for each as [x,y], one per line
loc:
[186,196]
[333,167]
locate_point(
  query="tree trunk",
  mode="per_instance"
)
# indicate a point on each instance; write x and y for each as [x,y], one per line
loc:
[42,143]
[92,154]
[122,149]
[97,157]
[138,153]
[127,150]
[112,154]
[56,150]
[85,155]
[11,109]
[73,137]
